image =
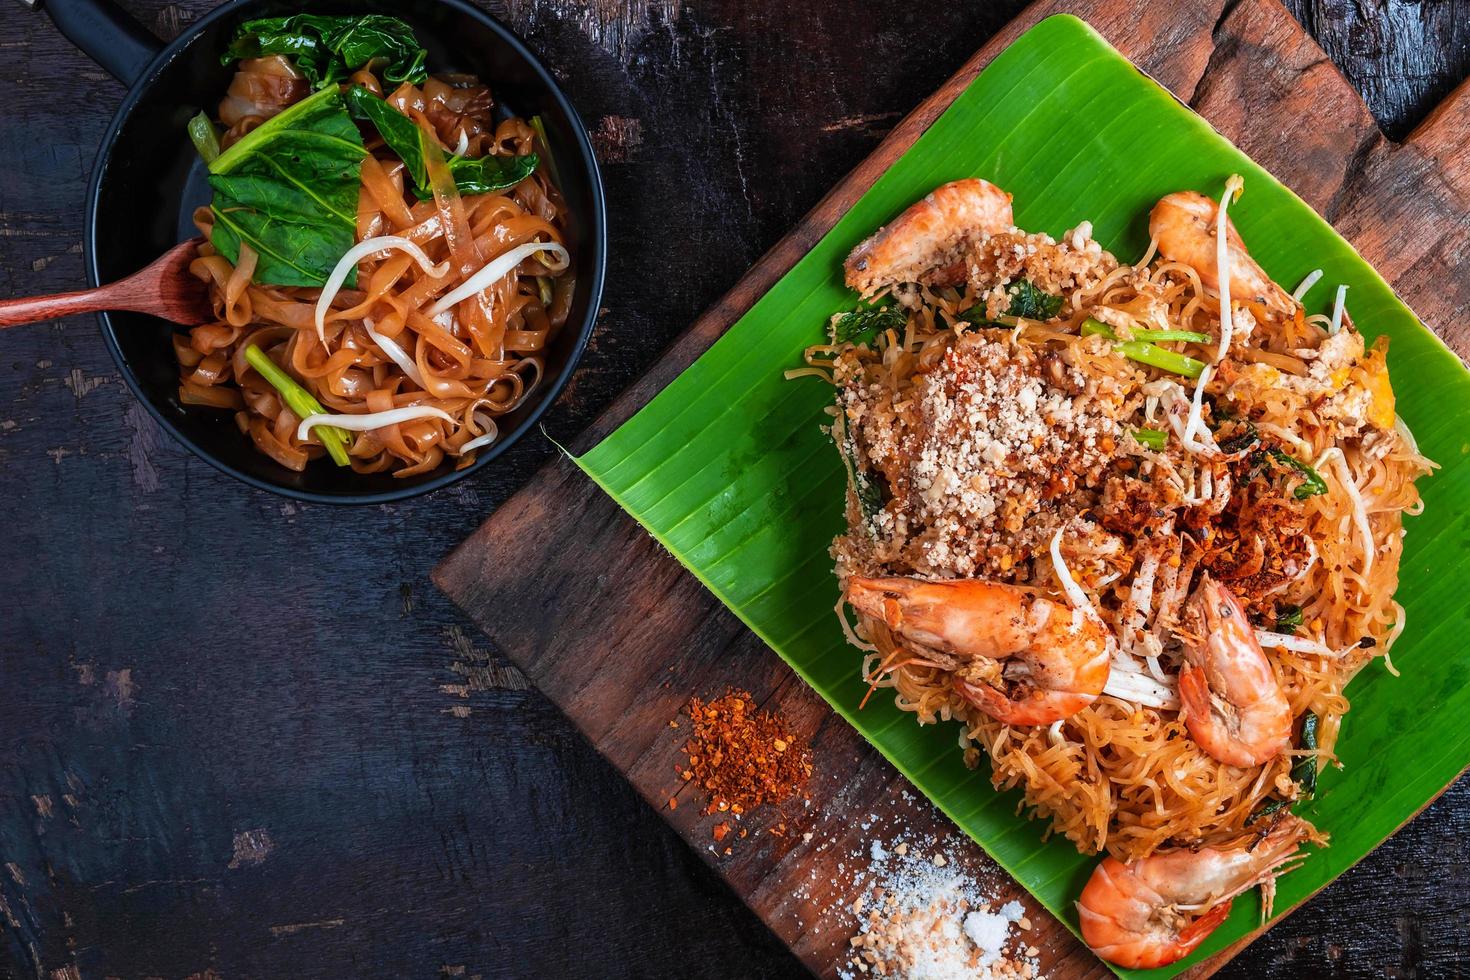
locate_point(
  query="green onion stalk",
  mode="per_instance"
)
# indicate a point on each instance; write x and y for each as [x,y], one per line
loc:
[1145,349]
[301,402]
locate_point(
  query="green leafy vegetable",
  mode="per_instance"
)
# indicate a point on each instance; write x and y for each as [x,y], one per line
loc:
[1145,352]
[327,49]
[480,175]
[289,189]
[1025,300]
[1152,438]
[1303,772]
[1030,302]
[1288,618]
[204,137]
[1312,482]
[300,402]
[860,326]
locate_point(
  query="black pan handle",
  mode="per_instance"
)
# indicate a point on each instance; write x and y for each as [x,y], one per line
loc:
[106,34]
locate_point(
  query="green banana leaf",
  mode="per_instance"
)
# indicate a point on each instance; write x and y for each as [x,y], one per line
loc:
[729,469]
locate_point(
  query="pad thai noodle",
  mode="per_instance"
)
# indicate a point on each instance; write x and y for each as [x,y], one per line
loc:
[1133,527]
[385,251]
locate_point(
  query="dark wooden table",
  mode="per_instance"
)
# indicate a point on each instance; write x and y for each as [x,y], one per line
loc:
[241,737]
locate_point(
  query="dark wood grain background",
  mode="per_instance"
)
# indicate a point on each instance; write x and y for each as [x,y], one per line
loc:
[246,736]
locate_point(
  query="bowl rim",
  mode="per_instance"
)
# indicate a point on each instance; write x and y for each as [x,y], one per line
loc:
[596,245]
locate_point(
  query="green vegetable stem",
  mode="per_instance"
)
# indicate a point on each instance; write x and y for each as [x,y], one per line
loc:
[1152,438]
[1148,352]
[299,401]
[204,137]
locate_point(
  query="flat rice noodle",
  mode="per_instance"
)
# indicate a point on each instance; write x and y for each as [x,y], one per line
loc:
[208,337]
[432,459]
[211,370]
[265,440]
[352,383]
[266,338]
[370,220]
[261,88]
[485,328]
[380,280]
[421,292]
[507,233]
[386,193]
[297,314]
[381,400]
[526,295]
[488,210]
[483,368]
[236,285]
[504,393]
[340,361]
[1282,362]
[525,340]
[450,205]
[211,396]
[562,289]
[440,338]
[421,434]
[435,382]
[423,230]
[185,351]
[214,269]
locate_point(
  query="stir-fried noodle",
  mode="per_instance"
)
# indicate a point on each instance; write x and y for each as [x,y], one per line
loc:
[446,369]
[976,439]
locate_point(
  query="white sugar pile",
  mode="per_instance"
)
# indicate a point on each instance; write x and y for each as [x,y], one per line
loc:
[924,920]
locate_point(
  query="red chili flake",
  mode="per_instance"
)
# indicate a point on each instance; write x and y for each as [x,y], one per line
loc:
[742,756]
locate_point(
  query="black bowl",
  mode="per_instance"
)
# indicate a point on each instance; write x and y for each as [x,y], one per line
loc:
[148,181]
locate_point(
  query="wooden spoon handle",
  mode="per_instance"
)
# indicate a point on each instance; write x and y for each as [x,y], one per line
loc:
[164,289]
[32,309]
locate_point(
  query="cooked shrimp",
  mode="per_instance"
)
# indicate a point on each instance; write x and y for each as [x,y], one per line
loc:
[1233,706]
[924,243]
[1157,910]
[1184,225]
[1055,658]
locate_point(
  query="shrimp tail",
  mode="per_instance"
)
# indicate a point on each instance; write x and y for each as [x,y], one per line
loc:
[1036,707]
[1199,930]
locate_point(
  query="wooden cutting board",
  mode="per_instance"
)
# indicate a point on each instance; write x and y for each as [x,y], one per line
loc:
[619,635]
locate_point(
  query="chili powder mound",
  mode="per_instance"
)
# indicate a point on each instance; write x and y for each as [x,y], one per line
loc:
[743,757]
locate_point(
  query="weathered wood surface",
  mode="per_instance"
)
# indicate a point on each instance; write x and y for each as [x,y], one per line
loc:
[245,736]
